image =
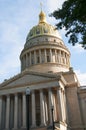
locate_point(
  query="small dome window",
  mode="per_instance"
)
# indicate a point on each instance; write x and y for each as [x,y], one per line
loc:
[45,30]
[60,42]
[31,34]
[46,39]
[37,31]
[54,40]
[37,40]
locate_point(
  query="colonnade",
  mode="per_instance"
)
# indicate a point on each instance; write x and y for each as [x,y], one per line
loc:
[13,109]
[44,56]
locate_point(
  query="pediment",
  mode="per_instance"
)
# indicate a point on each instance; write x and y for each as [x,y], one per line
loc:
[25,79]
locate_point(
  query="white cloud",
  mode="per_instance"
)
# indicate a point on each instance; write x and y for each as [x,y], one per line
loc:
[78,49]
[54,4]
[81,76]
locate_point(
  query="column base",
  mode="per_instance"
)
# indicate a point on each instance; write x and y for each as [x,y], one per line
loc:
[15,129]
[42,125]
[33,126]
[23,128]
[6,129]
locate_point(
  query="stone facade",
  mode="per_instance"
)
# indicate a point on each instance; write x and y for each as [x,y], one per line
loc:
[45,69]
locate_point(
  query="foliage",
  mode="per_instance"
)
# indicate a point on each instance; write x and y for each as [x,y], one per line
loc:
[72,17]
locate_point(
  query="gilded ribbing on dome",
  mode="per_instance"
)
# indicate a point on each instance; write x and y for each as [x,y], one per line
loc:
[42,17]
[42,28]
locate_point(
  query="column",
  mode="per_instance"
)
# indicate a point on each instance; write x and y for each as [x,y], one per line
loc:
[65,58]
[30,58]
[59,98]
[50,55]
[45,55]
[46,108]
[22,63]
[11,112]
[26,60]
[68,61]
[50,104]
[24,110]
[83,106]
[63,103]
[7,112]
[33,109]
[40,55]
[54,104]
[35,57]
[15,110]
[42,108]
[0,110]
[59,56]
[55,56]
[66,111]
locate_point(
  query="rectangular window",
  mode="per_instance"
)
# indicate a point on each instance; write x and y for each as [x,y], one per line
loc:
[48,59]
[38,59]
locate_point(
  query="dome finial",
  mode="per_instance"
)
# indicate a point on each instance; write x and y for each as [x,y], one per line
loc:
[42,16]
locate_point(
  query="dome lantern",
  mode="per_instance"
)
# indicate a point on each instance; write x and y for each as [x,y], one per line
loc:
[42,17]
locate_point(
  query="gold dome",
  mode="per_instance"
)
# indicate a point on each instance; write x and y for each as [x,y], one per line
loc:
[43,28]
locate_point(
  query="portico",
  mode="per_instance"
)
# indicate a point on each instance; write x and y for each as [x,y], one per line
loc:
[41,101]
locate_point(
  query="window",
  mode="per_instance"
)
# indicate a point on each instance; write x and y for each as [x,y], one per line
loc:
[42,56]
[38,31]
[48,59]
[38,59]
[54,40]
[32,61]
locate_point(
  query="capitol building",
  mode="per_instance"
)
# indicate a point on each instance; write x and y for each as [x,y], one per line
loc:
[46,71]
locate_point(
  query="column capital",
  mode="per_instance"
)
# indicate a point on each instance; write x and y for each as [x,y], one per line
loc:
[24,93]
[15,94]
[1,96]
[7,95]
[32,91]
[41,90]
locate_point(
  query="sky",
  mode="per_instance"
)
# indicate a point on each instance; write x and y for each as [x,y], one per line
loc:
[17,17]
